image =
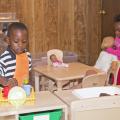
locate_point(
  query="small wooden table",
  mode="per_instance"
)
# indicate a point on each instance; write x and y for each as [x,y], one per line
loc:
[59,74]
[45,101]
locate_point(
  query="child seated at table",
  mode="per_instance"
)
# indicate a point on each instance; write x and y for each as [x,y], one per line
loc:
[57,63]
[105,59]
[15,62]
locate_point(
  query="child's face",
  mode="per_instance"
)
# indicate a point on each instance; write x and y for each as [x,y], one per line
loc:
[110,42]
[117,29]
[18,40]
[53,58]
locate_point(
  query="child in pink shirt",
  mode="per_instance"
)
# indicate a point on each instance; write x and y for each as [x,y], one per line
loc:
[117,31]
[116,49]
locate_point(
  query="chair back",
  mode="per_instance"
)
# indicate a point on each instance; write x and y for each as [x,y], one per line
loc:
[94,80]
[57,52]
[114,73]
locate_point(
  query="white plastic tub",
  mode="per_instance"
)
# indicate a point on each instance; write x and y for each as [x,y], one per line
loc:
[95,91]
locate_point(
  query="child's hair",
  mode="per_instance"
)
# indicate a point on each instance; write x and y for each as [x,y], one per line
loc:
[117,18]
[52,56]
[106,41]
[15,26]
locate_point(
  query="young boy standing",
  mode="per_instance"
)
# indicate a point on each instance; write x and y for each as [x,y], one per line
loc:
[15,62]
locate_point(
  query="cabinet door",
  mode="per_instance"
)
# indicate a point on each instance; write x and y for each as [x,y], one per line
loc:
[110,8]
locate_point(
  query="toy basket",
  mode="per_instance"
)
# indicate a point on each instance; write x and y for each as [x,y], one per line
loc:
[46,115]
[4,101]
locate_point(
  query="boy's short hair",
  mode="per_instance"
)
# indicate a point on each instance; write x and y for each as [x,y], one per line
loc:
[117,18]
[15,26]
[105,42]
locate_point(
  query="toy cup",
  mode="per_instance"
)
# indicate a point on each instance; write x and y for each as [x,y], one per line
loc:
[27,89]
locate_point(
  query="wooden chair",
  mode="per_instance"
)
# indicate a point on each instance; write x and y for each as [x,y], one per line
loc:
[94,80]
[114,72]
[59,55]
[57,52]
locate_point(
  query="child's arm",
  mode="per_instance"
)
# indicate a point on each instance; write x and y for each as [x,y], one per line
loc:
[11,82]
[114,52]
[4,81]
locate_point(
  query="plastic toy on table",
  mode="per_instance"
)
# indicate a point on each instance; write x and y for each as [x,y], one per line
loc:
[29,99]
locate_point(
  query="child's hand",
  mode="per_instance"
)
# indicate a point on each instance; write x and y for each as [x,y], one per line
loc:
[25,81]
[12,82]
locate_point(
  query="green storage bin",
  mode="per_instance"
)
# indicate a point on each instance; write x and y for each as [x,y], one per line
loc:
[51,115]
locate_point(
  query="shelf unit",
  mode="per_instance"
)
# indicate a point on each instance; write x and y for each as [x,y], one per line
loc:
[45,101]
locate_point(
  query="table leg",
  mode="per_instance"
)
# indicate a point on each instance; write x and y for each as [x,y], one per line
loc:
[43,83]
[17,117]
[59,85]
[37,82]
[66,113]
[46,84]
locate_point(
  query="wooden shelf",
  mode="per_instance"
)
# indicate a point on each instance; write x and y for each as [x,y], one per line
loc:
[7,20]
[44,101]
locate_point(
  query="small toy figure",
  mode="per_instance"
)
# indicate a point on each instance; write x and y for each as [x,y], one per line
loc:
[56,62]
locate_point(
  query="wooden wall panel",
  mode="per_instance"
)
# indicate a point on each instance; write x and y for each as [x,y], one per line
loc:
[93,30]
[65,24]
[39,27]
[87,30]
[80,28]
[50,24]
[7,5]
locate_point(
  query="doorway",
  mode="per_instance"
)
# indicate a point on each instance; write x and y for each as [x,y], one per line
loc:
[110,8]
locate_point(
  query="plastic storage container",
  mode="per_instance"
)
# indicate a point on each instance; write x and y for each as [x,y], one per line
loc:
[95,91]
[46,115]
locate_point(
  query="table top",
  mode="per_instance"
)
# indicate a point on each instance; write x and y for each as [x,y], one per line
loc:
[45,100]
[66,96]
[74,71]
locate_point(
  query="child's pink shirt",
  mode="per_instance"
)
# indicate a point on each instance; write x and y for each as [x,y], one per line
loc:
[57,61]
[115,51]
